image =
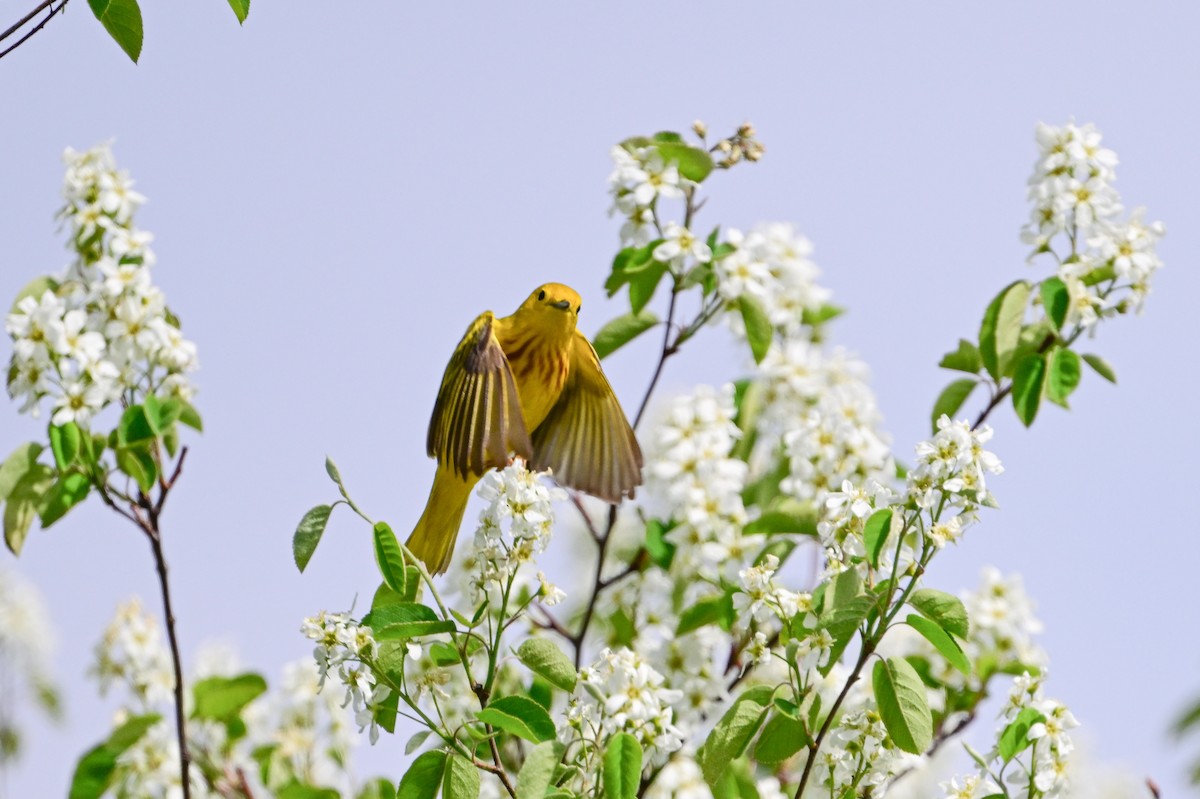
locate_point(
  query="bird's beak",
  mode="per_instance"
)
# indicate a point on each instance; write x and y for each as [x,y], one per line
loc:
[562,305]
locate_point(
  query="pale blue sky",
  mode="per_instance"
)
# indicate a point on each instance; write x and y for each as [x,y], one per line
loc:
[335,194]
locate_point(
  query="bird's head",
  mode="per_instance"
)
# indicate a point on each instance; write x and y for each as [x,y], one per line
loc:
[553,308]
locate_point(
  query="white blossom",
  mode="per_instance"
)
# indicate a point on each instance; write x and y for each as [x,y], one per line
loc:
[101,328]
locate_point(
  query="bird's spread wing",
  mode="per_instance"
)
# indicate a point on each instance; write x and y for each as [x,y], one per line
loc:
[586,438]
[477,419]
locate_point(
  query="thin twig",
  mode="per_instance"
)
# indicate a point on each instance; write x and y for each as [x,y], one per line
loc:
[21,22]
[35,29]
[500,770]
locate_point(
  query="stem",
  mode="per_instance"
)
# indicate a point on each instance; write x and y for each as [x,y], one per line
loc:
[500,771]
[149,524]
[577,639]
[45,4]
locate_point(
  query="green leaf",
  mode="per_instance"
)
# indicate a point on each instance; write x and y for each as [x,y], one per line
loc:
[1056,300]
[95,769]
[219,698]
[875,534]
[67,492]
[782,737]
[846,586]
[461,780]
[1028,383]
[190,416]
[785,516]
[843,619]
[405,620]
[65,441]
[942,642]
[390,558]
[1015,738]
[1101,367]
[643,284]
[16,465]
[308,535]
[296,790]
[542,656]
[814,317]
[946,610]
[1063,377]
[694,164]
[520,716]
[35,288]
[134,426]
[414,743]
[622,767]
[1001,327]
[138,463]
[534,778]
[385,712]
[759,329]
[964,359]
[423,777]
[24,500]
[385,596]
[717,609]
[732,734]
[903,705]
[660,550]
[622,330]
[331,469]
[240,9]
[952,398]
[123,21]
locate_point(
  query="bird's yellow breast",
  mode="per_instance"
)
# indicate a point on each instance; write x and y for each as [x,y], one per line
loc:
[540,361]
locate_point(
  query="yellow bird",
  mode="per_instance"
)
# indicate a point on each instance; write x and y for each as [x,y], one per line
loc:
[528,385]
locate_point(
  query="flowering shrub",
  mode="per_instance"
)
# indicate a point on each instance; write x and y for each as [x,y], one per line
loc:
[691,652]
[695,661]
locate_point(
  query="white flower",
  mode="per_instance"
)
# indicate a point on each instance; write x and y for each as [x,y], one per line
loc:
[680,245]
[105,329]
[627,695]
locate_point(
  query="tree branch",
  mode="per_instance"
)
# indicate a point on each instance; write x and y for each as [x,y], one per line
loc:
[24,20]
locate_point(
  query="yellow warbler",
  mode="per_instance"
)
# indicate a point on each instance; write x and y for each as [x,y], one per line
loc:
[529,385]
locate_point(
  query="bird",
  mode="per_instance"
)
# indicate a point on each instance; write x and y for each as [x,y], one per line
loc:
[527,385]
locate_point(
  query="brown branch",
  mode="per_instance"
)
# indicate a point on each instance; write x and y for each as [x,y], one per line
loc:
[500,771]
[148,523]
[24,20]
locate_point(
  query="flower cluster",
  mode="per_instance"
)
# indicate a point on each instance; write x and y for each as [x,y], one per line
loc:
[1112,258]
[1036,731]
[826,414]
[102,329]
[1003,623]
[132,653]
[514,527]
[642,176]
[952,466]
[858,754]
[690,469]
[621,692]
[772,264]
[344,646]
[26,647]
[294,735]
[307,732]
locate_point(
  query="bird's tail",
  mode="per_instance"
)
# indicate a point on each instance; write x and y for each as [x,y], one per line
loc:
[433,538]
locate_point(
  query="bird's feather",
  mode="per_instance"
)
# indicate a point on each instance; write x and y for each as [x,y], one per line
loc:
[477,418]
[586,439]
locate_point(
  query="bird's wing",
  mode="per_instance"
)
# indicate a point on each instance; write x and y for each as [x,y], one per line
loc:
[586,438]
[477,419]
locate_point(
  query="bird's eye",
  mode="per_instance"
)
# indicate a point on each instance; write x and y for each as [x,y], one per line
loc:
[578,309]
[541,296]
